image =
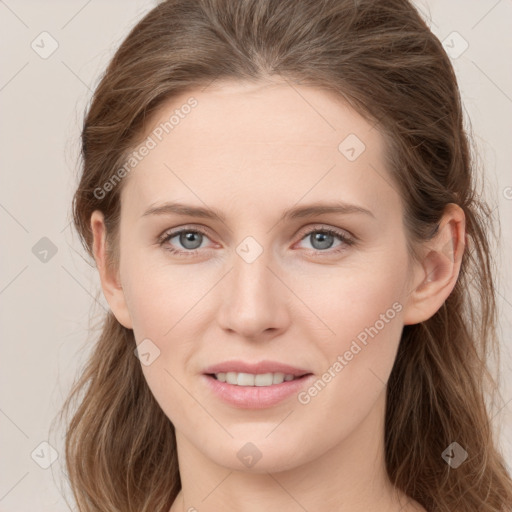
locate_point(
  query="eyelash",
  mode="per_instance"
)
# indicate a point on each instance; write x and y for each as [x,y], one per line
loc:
[189,253]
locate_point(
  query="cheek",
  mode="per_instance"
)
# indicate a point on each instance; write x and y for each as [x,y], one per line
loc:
[161,297]
[362,307]
[164,302]
[354,296]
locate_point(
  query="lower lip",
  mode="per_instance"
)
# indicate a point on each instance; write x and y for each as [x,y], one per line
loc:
[256,397]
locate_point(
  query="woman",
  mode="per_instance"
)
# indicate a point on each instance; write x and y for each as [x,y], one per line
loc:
[280,200]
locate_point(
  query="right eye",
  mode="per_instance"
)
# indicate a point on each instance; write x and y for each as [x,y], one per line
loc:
[190,239]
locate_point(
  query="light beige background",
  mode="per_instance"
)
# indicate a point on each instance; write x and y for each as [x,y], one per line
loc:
[46,306]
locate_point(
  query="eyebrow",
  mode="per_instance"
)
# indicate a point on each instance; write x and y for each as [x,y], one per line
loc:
[297,212]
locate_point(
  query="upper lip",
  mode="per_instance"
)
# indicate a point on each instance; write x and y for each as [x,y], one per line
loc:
[255,368]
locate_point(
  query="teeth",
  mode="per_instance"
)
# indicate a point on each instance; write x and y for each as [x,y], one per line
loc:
[249,379]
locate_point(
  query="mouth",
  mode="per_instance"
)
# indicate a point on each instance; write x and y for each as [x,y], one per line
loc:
[255,385]
[258,379]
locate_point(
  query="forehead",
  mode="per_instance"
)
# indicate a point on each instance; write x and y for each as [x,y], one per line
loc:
[267,113]
[254,142]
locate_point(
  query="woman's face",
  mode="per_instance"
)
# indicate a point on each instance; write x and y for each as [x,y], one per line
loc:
[260,287]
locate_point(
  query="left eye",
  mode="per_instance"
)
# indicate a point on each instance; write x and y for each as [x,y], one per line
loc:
[191,240]
[322,239]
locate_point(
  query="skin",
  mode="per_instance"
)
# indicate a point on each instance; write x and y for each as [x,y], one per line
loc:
[252,151]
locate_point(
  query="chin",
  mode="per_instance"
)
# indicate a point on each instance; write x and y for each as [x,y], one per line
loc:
[259,455]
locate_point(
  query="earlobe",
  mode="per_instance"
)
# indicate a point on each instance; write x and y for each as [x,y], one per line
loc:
[435,278]
[110,281]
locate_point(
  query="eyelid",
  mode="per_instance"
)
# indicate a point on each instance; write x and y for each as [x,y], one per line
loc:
[305,231]
[325,227]
[177,230]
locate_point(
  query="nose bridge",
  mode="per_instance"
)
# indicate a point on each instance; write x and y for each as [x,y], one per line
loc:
[251,302]
[250,272]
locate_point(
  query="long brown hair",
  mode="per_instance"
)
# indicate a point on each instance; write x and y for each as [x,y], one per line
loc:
[381,57]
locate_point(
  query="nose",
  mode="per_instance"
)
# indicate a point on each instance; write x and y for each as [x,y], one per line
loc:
[254,300]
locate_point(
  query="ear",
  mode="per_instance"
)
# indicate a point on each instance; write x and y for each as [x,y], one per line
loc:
[110,281]
[437,273]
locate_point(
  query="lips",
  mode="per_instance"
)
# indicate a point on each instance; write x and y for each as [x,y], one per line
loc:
[255,385]
[260,368]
